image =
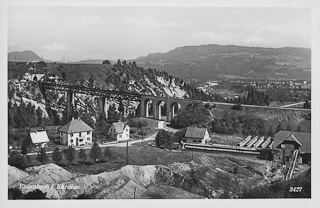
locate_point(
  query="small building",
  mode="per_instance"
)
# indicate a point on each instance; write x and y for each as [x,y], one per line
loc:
[39,138]
[76,133]
[33,77]
[197,135]
[285,142]
[119,131]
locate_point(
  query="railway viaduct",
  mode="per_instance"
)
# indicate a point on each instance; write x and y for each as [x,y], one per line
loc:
[145,100]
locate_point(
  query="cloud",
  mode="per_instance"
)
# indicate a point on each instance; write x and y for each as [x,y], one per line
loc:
[56,47]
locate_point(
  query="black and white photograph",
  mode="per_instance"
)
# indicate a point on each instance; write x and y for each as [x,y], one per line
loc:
[209,102]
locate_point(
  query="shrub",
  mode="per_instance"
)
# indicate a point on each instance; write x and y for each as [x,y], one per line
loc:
[17,160]
[237,107]
[42,156]
[164,139]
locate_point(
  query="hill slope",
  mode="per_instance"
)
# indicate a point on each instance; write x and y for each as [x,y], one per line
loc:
[23,56]
[207,62]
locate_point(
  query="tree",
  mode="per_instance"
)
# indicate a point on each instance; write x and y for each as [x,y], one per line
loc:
[24,149]
[56,155]
[42,156]
[95,152]
[69,154]
[63,75]
[164,139]
[299,129]
[306,105]
[15,159]
[279,128]
[106,62]
[113,115]
[107,153]
[288,128]
[270,132]
[82,155]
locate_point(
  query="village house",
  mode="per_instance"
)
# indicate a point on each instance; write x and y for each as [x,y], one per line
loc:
[197,135]
[76,133]
[119,131]
[285,142]
[39,138]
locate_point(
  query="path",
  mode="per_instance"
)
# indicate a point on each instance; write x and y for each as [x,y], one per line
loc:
[122,144]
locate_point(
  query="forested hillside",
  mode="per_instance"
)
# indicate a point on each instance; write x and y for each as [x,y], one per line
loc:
[26,100]
[209,62]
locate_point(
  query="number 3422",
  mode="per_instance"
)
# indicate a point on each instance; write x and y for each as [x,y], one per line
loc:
[295,189]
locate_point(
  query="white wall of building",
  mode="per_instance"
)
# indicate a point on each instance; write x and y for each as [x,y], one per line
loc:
[76,139]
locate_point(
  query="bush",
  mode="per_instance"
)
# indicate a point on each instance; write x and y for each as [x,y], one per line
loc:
[56,155]
[95,152]
[17,160]
[195,114]
[164,139]
[137,123]
[42,156]
[237,107]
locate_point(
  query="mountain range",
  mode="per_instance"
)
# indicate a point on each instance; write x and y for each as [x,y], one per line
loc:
[210,62]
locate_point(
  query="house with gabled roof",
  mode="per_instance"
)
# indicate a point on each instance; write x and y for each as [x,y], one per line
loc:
[119,131]
[285,142]
[197,135]
[39,138]
[76,133]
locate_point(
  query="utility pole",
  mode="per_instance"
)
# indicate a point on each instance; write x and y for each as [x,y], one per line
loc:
[127,159]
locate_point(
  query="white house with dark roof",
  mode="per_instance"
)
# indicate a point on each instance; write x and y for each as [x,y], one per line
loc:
[197,135]
[119,131]
[39,138]
[76,133]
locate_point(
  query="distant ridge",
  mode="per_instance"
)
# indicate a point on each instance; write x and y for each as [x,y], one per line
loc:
[209,62]
[23,56]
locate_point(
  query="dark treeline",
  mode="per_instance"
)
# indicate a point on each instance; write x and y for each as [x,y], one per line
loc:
[265,97]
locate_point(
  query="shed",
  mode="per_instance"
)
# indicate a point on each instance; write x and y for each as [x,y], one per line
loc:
[197,135]
[285,142]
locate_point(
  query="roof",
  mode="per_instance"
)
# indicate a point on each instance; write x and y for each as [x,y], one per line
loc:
[303,139]
[39,137]
[118,127]
[74,126]
[196,132]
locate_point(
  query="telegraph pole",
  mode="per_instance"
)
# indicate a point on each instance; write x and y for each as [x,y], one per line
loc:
[127,158]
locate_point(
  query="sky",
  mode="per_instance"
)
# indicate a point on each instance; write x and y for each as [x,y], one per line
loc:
[80,33]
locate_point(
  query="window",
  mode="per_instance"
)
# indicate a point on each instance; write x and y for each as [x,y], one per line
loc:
[88,132]
[71,134]
[120,136]
[195,141]
[71,140]
[80,140]
[127,130]
[88,138]
[127,135]
[80,134]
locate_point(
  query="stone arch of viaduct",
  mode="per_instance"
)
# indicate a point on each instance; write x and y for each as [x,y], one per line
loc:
[156,101]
